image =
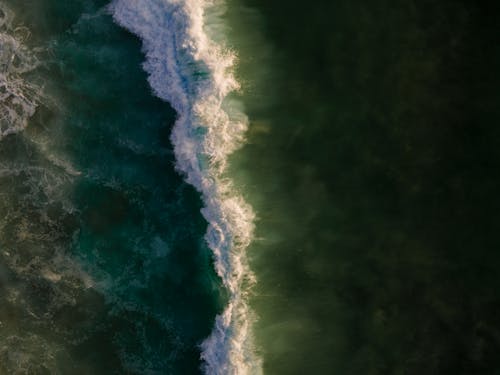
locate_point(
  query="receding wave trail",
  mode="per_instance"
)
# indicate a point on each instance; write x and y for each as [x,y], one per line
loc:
[193,73]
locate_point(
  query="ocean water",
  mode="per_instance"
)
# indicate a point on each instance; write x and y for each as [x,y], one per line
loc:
[249,186]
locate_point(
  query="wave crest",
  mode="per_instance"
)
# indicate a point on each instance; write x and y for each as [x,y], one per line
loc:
[187,68]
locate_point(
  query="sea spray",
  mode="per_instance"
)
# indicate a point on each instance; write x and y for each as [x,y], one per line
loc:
[187,68]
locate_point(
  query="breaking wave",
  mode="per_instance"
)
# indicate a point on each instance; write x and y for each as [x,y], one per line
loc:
[192,72]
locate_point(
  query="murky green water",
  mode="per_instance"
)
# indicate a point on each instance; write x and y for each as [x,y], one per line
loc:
[372,164]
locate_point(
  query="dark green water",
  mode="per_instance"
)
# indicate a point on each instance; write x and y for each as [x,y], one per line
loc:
[103,266]
[372,164]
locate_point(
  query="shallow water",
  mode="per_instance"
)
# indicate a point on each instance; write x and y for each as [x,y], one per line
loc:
[104,266]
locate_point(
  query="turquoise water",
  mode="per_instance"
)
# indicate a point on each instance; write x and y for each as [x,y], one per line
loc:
[104,266]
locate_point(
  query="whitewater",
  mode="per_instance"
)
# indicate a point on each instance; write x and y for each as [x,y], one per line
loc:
[19,97]
[189,66]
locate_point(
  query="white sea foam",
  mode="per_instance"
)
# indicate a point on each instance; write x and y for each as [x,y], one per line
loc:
[193,73]
[18,97]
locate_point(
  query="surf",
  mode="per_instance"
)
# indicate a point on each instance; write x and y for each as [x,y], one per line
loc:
[189,67]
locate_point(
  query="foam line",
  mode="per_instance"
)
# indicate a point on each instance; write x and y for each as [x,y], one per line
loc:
[194,74]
